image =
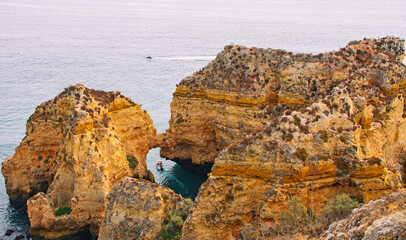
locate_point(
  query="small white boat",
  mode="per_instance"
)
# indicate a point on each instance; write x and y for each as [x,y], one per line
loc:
[159,165]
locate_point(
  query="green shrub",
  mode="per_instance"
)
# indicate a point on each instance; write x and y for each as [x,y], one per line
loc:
[173,222]
[336,210]
[340,208]
[184,214]
[286,217]
[301,154]
[63,211]
[179,118]
[295,217]
[297,120]
[173,226]
[229,197]
[132,161]
[289,137]
[208,217]
[189,202]
[165,234]
[323,135]
[298,218]
[342,172]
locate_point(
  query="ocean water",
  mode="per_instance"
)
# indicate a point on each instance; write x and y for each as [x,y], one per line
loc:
[47,45]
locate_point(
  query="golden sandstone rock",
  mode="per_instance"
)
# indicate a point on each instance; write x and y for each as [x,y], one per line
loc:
[347,136]
[245,88]
[90,140]
[269,125]
[138,209]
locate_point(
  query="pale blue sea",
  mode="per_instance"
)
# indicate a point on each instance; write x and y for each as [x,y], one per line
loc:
[47,45]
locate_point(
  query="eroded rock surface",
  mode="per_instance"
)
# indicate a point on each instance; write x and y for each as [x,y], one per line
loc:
[138,209]
[347,136]
[244,88]
[286,125]
[381,219]
[88,141]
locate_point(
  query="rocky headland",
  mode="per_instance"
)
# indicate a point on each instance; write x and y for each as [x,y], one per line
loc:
[78,146]
[341,131]
[245,88]
[271,127]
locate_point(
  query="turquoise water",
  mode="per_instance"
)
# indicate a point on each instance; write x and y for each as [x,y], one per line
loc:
[47,45]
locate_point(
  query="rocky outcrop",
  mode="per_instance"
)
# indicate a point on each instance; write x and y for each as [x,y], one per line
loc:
[34,164]
[88,141]
[138,209]
[279,125]
[381,219]
[243,88]
[346,136]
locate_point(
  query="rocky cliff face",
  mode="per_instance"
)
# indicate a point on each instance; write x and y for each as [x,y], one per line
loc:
[346,136]
[138,209]
[381,219]
[243,88]
[88,141]
[280,125]
[34,164]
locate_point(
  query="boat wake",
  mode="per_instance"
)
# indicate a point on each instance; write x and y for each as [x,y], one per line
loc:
[186,58]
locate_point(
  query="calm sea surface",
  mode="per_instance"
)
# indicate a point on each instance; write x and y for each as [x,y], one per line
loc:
[47,45]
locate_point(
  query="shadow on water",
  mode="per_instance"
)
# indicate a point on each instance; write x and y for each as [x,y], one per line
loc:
[181,181]
[184,182]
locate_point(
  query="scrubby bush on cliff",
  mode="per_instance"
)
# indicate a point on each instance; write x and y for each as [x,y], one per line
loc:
[299,219]
[173,226]
[174,221]
[132,161]
[336,210]
[189,202]
[295,217]
[63,211]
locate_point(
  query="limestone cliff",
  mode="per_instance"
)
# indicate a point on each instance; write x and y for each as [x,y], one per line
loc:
[88,141]
[138,209]
[279,125]
[347,135]
[243,88]
[381,219]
